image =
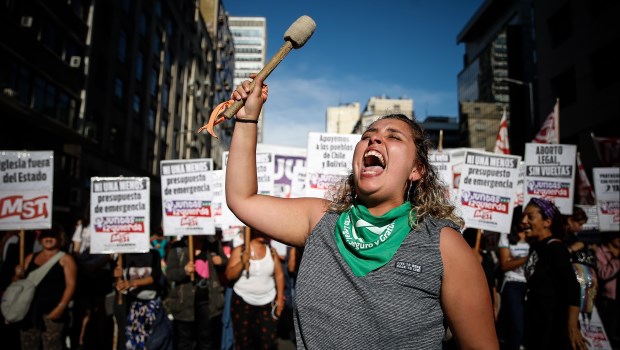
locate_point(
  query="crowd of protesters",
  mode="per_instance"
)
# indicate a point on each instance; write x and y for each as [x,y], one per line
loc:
[165,298]
[541,276]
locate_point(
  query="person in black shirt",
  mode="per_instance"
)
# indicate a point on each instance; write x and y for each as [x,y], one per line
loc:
[553,293]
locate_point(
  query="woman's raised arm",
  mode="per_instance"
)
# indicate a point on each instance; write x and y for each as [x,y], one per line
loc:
[284,219]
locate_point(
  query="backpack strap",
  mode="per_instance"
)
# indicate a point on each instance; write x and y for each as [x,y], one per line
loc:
[36,276]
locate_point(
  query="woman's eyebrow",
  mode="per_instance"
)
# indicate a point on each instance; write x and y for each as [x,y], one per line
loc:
[396,131]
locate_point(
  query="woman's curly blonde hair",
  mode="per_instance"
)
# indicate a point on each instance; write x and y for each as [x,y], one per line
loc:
[428,195]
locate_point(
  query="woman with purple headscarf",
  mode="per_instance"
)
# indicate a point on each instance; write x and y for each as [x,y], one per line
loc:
[553,293]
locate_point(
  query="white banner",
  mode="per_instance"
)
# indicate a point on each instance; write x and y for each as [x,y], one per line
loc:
[26,188]
[607,188]
[286,160]
[520,184]
[593,331]
[488,190]
[550,174]
[592,214]
[219,196]
[298,184]
[119,211]
[443,163]
[329,161]
[187,197]
[264,171]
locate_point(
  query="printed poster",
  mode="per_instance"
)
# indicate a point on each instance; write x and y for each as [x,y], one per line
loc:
[26,188]
[219,196]
[187,197]
[329,161]
[592,214]
[264,171]
[593,331]
[607,189]
[550,174]
[488,190]
[286,160]
[520,183]
[443,163]
[119,211]
[298,184]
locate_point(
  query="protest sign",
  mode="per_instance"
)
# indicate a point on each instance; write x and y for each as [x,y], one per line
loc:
[264,171]
[26,188]
[592,214]
[442,161]
[487,190]
[593,331]
[520,183]
[550,174]
[219,196]
[119,211]
[187,197]
[298,183]
[607,188]
[286,160]
[329,161]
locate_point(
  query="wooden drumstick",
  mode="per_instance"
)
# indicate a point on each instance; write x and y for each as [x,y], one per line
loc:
[295,37]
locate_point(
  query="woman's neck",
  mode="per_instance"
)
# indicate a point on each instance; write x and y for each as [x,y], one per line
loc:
[50,251]
[380,209]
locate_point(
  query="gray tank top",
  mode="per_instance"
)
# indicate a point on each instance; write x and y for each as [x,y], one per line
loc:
[394,307]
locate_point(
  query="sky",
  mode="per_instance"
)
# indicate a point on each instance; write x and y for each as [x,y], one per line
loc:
[360,49]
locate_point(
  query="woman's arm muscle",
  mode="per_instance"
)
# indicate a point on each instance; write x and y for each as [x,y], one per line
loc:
[465,295]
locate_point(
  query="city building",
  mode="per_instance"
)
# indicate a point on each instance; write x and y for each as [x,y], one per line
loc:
[112,87]
[250,37]
[218,25]
[378,106]
[342,119]
[448,127]
[526,54]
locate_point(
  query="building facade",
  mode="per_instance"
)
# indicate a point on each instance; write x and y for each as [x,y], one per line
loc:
[250,37]
[448,129]
[526,54]
[342,119]
[112,87]
[379,106]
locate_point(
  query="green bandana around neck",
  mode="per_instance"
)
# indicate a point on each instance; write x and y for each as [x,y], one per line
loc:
[367,242]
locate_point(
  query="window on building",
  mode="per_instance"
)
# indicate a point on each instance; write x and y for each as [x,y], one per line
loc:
[23,85]
[118,88]
[167,60]
[49,107]
[126,4]
[165,90]
[169,28]
[604,64]
[564,87]
[163,126]
[63,108]
[158,8]
[560,25]
[136,105]
[139,66]
[49,37]
[122,46]
[151,119]
[156,44]
[153,82]
[38,94]
[143,23]
[71,49]
[80,8]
